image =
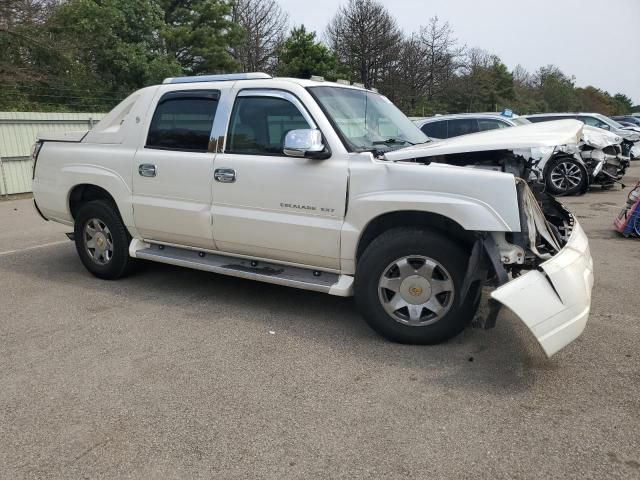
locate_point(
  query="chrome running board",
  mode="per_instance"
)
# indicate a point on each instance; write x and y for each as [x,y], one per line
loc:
[306,279]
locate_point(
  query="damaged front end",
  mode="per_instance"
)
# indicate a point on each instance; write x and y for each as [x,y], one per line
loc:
[545,271]
[542,271]
[602,152]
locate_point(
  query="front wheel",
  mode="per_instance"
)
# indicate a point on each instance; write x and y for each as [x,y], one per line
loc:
[408,286]
[102,240]
[566,176]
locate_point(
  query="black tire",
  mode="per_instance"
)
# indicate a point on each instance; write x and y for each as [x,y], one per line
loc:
[119,263]
[397,244]
[566,176]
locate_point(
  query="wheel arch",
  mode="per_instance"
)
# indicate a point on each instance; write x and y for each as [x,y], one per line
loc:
[86,192]
[404,218]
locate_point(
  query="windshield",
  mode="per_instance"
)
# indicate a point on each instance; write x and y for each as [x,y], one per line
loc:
[367,120]
[608,121]
[520,121]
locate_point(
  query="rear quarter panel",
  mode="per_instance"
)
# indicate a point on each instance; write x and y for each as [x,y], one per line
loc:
[61,166]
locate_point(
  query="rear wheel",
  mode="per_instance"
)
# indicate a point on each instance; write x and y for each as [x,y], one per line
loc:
[102,240]
[565,176]
[408,286]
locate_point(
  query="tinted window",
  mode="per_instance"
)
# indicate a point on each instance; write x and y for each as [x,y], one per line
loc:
[435,129]
[462,126]
[259,124]
[490,124]
[551,118]
[183,121]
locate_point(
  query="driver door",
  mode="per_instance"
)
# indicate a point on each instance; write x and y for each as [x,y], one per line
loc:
[267,204]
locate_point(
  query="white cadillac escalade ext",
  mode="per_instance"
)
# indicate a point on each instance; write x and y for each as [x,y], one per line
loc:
[326,187]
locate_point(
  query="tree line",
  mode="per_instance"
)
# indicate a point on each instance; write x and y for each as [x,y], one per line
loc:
[87,55]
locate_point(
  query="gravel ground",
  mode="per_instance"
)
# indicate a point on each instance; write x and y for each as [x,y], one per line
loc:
[173,373]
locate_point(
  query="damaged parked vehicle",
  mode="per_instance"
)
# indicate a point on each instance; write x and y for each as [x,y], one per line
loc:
[598,160]
[630,137]
[326,187]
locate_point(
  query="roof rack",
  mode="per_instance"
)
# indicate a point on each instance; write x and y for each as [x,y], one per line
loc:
[218,78]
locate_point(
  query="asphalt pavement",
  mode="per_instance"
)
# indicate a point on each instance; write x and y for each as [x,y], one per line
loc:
[174,373]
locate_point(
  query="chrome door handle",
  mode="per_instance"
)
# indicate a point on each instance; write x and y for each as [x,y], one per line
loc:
[147,170]
[225,175]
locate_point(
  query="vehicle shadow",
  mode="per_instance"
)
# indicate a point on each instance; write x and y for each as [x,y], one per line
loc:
[501,361]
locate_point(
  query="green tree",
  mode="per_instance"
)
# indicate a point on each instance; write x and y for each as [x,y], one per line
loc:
[28,57]
[302,56]
[557,91]
[591,99]
[484,84]
[198,34]
[110,48]
[623,104]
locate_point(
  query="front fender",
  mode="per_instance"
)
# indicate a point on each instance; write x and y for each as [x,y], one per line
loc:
[475,199]
[470,214]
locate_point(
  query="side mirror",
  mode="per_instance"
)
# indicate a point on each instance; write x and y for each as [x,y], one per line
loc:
[305,143]
[604,126]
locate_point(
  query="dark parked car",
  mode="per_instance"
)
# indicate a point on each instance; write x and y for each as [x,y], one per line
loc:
[447,126]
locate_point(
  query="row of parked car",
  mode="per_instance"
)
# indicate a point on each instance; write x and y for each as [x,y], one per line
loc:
[601,158]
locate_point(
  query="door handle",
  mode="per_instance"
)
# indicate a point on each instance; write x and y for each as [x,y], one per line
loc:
[225,175]
[147,170]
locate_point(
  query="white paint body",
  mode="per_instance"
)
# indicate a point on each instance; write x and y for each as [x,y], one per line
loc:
[252,217]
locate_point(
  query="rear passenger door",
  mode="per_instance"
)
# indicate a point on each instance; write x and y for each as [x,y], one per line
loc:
[173,170]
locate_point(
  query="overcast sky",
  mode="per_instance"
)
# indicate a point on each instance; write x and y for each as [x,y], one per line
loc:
[597,41]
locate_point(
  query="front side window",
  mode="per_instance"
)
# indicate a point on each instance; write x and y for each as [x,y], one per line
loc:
[607,121]
[259,124]
[436,129]
[462,126]
[592,121]
[366,120]
[183,121]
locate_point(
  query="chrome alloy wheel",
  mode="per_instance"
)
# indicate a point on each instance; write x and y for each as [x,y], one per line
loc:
[98,241]
[565,176]
[416,290]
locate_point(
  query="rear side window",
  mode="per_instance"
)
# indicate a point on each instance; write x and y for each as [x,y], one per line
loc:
[183,121]
[259,124]
[435,129]
[462,126]
[485,124]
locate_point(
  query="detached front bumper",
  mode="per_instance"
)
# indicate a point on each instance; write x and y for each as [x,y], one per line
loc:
[555,302]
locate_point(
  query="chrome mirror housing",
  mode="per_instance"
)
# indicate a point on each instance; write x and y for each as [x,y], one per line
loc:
[305,143]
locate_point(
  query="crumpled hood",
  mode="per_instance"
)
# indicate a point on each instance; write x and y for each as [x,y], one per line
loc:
[632,129]
[543,134]
[630,133]
[599,138]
